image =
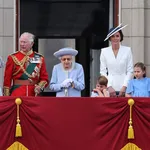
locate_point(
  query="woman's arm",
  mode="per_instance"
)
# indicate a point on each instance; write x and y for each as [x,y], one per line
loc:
[112,92]
[103,66]
[79,84]
[122,91]
[54,85]
[128,95]
[129,68]
[104,57]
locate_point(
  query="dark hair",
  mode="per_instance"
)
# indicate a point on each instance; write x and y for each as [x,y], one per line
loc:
[121,36]
[102,80]
[142,66]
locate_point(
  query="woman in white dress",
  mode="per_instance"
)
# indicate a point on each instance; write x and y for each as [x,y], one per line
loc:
[116,63]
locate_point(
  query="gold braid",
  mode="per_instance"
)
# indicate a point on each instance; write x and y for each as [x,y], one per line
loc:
[21,64]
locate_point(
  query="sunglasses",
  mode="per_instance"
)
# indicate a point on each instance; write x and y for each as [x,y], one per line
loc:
[68,59]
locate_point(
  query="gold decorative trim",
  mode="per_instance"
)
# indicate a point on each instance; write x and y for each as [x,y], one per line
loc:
[27,53]
[21,64]
[17,62]
[17,146]
[6,91]
[130,129]
[18,101]
[42,84]
[131,146]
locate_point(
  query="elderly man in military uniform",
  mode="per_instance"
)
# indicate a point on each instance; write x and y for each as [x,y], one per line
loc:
[25,71]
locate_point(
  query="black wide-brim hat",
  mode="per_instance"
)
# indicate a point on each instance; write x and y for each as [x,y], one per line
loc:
[114,30]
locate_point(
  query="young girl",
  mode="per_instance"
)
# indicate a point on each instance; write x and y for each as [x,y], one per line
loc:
[140,85]
[101,88]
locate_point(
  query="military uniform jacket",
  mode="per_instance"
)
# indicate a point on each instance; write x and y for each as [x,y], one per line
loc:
[21,66]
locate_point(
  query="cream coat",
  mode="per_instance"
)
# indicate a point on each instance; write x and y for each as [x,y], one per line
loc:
[120,68]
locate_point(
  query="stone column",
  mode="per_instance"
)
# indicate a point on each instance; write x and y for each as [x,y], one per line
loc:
[6,31]
[147,36]
[132,13]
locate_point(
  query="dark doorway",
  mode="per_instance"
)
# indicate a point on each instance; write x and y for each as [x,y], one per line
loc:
[85,20]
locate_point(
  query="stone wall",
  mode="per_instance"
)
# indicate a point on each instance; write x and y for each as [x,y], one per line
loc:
[6,31]
[136,13]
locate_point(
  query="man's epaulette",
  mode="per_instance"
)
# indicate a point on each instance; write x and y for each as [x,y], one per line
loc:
[38,54]
[14,53]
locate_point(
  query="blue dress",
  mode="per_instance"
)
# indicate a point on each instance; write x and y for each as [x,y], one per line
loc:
[139,87]
[59,75]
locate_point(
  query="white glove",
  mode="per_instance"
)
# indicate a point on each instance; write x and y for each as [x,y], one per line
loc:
[69,80]
[66,83]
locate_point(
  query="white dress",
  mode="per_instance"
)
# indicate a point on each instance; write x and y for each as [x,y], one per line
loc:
[120,68]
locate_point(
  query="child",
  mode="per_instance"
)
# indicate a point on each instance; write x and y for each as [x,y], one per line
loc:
[101,88]
[140,85]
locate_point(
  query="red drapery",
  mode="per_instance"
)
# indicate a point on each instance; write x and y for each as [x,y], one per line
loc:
[74,123]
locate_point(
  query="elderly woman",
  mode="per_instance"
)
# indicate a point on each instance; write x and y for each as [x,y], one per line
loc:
[116,63]
[68,76]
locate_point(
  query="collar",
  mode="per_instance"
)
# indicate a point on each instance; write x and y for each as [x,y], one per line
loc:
[28,53]
[69,70]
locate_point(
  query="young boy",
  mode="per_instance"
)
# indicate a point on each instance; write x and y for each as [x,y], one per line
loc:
[101,88]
